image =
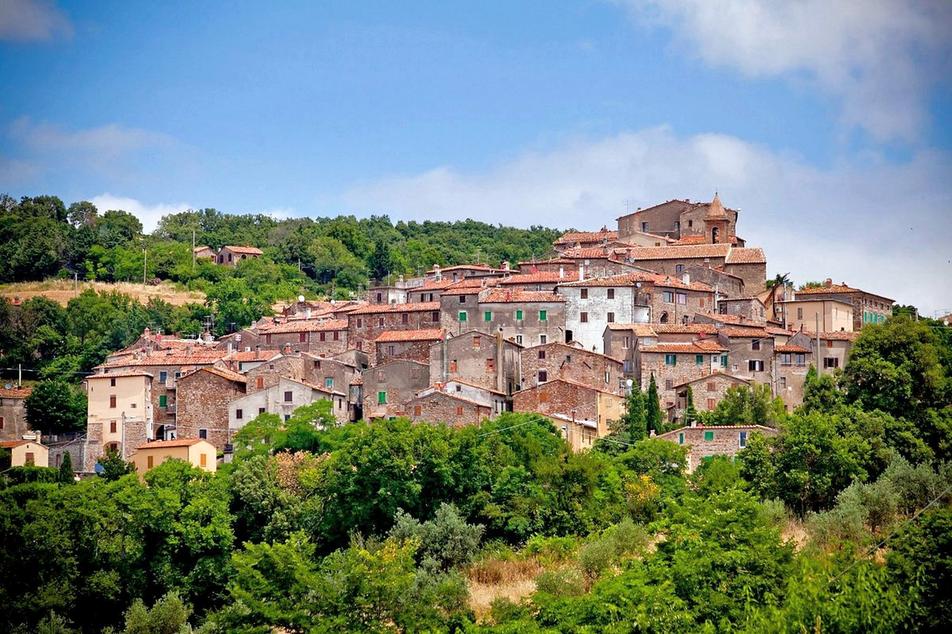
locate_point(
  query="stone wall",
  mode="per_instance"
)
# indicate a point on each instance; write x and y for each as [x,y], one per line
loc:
[561,361]
[438,407]
[401,380]
[203,399]
[719,441]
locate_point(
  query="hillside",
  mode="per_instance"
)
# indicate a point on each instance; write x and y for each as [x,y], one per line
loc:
[61,291]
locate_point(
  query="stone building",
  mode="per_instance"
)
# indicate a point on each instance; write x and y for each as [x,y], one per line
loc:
[792,361]
[280,366]
[706,392]
[478,358]
[334,374]
[387,388]
[367,323]
[538,280]
[24,453]
[282,399]
[677,363]
[203,398]
[703,443]
[682,220]
[619,342]
[406,344]
[456,403]
[747,264]
[577,239]
[195,451]
[231,255]
[119,414]
[751,308]
[573,401]
[246,359]
[557,360]
[868,308]
[318,336]
[205,253]
[13,412]
[750,353]
[834,349]
[526,317]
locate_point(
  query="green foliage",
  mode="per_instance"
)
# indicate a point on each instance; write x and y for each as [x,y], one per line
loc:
[654,418]
[56,406]
[445,542]
[114,466]
[747,405]
[169,615]
[66,469]
[921,564]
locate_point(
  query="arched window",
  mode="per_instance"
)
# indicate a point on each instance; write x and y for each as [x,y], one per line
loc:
[714,235]
[664,318]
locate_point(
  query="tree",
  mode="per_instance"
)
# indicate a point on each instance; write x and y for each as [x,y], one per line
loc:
[113,466]
[748,405]
[66,469]
[821,393]
[169,615]
[653,416]
[690,413]
[381,262]
[56,406]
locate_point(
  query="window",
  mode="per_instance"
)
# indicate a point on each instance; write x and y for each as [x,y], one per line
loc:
[708,436]
[786,358]
[462,315]
[329,382]
[112,401]
[723,360]
[322,337]
[699,359]
[543,315]
[664,318]
[543,376]
[519,339]
[261,410]
[668,384]
[667,297]
[626,343]
[690,223]
[799,312]
[829,343]
[831,362]
[380,322]
[417,410]
[681,438]
[611,293]
[239,414]
[543,339]
[542,354]
[112,427]
[360,322]
[711,386]
[801,359]
[1,422]
[459,410]
[681,298]
[611,318]
[379,297]
[302,337]
[259,382]
[742,439]
[203,459]
[644,227]
[163,375]
[583,317]
[755,365]
[518,314]
[783,383]
[583,293]
[288,396]
[435,316]
[487,315]
[267,337]
[405,318]
[150,461]
[112,382]
[203,433]
[163,400]
[755,344]
[679,268]
[391,349]
[671,359]
[462,299]
[381,398]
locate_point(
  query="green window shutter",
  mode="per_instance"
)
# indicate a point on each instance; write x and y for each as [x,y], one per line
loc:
[329,382]
[681,438]
[699,359]
[518,315]
[543,314]
[487,315]
[724,360]
[381,398]
[163,400]
[462,315]
[708,435]
[670,359]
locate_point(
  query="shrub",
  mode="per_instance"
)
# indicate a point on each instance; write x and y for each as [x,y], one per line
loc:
[596,556]
[566,582]
[503,610]
[550,549]
[445,542]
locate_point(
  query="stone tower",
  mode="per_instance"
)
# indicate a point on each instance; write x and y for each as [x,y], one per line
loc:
[716,223]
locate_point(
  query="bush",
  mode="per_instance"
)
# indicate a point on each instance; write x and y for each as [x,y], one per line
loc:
[567,582]
[503,610]
[595,557]
[445,542]
[550,549]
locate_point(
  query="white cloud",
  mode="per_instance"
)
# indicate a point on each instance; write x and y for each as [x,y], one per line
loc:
[149,215]
[32,20]
[103,143]
[879,57]
[870,223]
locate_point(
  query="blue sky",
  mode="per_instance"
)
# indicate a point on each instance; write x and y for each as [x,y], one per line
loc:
[828,126]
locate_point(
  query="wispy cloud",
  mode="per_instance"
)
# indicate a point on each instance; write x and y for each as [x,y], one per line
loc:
[32,20]
[878,57]
[866,222]
[148,214]
[106,143]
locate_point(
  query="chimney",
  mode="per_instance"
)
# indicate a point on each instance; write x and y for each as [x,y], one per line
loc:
[828,282]
[581,272]
[437,273]
[231,347]
[286,349]
[505,265]
[307,313]
[652,433]
[561,272]
[693,423]
[686,278]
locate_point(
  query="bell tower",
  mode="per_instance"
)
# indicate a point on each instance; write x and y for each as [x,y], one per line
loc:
[716,223]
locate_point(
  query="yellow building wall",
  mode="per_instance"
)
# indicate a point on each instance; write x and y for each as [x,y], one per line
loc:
[41,455]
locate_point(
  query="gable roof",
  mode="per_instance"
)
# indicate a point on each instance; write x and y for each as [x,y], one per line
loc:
[540,277]
[701,346]
[507,296]
[832,288]
[715,375]
[166,444]
[571,237]
[300,325]
[243,249]
[425,334]
[644,277]
[413,307]
[220,372]
[15,392]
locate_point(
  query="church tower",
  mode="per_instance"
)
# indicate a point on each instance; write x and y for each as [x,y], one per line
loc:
[716,223]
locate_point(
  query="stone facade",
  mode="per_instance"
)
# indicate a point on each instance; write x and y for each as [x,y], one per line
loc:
[574,401]
[705,442]
[677,363]
[591,305]
[119,415]
[203,398]
[792,362]
[282,399]
[562,361]
[327,337]
[13,413]
[437,407]
[487,360]
[365,324]
[868,308]
[407,344]
[706,392]
[750,353]
[747,307]
[388,387]
[270,373]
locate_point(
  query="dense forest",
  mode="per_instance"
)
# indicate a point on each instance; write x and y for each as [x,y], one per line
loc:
[840,523]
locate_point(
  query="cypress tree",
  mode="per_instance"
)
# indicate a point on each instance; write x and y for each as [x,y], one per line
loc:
[653,416]
[634,421]
[66,469]
[690,414]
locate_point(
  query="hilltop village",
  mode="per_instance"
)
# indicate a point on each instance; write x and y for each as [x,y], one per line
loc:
[673,294]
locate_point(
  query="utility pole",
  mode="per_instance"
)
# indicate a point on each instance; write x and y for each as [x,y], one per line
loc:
[19,375]
[819,370]
[193,248]
[145,263]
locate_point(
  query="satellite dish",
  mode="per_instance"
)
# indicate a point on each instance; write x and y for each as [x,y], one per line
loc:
[629,382]
[8,386]
[301,298]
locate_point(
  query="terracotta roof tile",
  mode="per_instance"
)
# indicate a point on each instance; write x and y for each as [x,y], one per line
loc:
[300,325]
[746,255]
[15,392]
[701,346]
[841,288]
[639,330]
[675,252]
[572,237]
[506,296]
[834,336]
[426,334]
[165,444]
[225,374]
[644,277]
[415,307]
[787,347]
[249,355]
[714,375]
[684,329]
[739,331]
[243,249]
[540,277]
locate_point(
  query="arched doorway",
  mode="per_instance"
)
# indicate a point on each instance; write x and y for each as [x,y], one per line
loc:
[664,318]
[714,235]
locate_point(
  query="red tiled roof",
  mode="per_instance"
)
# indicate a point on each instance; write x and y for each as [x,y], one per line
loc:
[572,237]
[627,279]
[415,307]
[437,392]
[426,334]
[206,357]
[787,347]
[684,329]
[639,330]
[701,346]
[594,253]
[746,255]
[249,355]
[740,331]
[714,375]
[834,336]
[835,288]
[243,249]
[114,375]
[225,374]
[164,444]
[738,320]
[301,325]
[457,267]
[567,382]
[506,296]
[540,277]
[675,252]
[15,392]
